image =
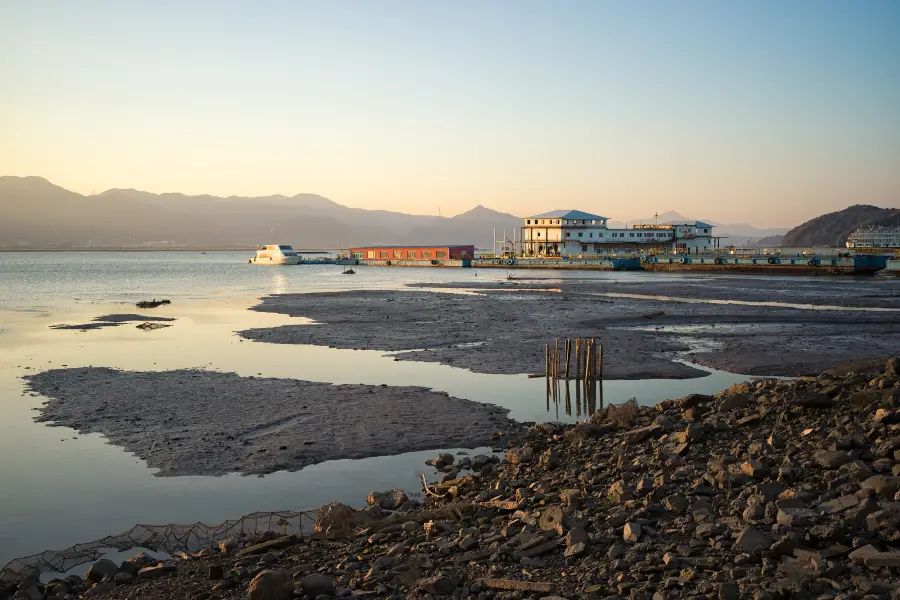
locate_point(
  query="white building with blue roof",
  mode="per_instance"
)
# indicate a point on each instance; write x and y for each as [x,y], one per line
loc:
[579,233]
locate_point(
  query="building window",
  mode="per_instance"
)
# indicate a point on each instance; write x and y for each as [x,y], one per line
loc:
[410,254]
[592,234]
[630,235]
[384,254]
[371,254]
[357,255]
[440,254]
[557,221]
[426,253]
[529,221]
[580,234]
[706,231]
[539,234]
[568,234]
[398,253]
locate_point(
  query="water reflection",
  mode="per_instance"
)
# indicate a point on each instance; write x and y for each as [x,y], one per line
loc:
[588,397]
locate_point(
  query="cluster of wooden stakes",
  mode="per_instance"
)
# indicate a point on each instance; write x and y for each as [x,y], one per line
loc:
[579,359]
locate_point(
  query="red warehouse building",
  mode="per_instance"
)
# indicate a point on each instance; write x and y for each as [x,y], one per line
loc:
[424,253]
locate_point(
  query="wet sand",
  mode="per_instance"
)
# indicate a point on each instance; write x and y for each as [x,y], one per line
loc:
[754,326]
[191,422]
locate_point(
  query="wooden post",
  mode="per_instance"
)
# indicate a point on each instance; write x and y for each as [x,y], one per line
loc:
[577,358]
[594,356]
[547,362]
[587,363]
[556,359]
[600,361]
[568,349]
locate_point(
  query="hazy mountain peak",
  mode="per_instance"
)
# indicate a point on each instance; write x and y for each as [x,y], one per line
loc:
[482,212]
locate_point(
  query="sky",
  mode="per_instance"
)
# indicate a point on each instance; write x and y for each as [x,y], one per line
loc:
[761,112]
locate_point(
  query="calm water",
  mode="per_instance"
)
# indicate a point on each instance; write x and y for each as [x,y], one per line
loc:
[58,488]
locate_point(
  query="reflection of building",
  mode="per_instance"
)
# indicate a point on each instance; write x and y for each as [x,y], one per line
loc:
[405,253]
[573,232]
[875,237]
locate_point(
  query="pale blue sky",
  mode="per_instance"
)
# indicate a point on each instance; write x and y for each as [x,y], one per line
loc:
[767,112]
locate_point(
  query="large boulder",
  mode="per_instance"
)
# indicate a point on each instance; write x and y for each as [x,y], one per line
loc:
[389,500]
[271,585]
[103,568]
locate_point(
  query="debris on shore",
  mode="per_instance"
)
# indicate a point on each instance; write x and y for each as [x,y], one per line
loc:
[770,489]
[149,326]
[152,303]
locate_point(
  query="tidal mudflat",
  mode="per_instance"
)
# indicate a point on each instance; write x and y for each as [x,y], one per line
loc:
[193,422]
[755,326]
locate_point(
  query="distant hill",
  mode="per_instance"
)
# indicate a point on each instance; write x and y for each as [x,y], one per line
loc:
[832,229]
[37,213]
[770,241]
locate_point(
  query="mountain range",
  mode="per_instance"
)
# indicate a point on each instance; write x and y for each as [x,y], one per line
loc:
[37,213]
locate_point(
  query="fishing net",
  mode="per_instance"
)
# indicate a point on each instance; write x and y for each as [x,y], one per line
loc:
[162,538]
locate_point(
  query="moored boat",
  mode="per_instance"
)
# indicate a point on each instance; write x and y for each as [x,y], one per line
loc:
[275,254]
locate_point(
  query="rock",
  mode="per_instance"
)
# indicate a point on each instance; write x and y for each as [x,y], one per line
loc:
[812,399]
[576,550]
[832,459]
[577,535]
[729,591]
[695,432]
[517,456]
[883,485]
[752,541]
[271,585]
[214,572]
[892,367]
[158,570]
[278,543]
[754,469]
[444,460]
[631,532]
[552,518]
[795,516]
[734,402]
[619,493]
[636,436]
[438,585]
[390,500]
[123,579]
[550,459]
[839,504]
[316,584]
[103,568]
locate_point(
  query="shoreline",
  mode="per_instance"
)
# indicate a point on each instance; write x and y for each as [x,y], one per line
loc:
[685,498]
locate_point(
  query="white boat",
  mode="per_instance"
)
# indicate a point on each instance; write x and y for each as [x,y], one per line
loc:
[275,254]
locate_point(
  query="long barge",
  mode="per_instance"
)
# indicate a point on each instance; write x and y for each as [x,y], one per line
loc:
[564,264]
[857,264]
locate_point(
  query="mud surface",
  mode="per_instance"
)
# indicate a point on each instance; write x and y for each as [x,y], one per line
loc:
[720,322]
[206,423]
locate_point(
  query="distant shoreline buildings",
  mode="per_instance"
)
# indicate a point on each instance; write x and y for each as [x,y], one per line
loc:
[575,232]
[875,237]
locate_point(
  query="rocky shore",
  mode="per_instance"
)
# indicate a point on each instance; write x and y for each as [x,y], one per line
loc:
[771,489]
